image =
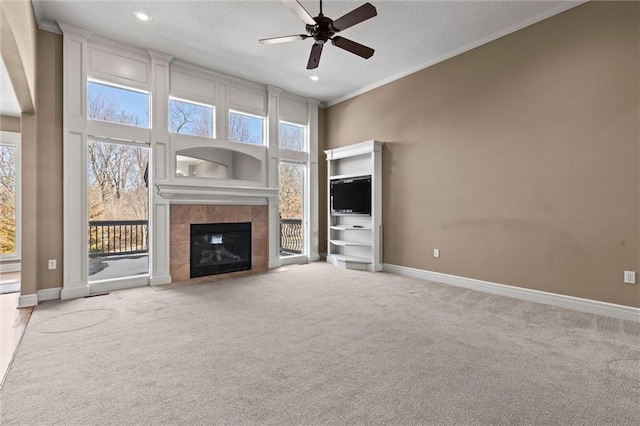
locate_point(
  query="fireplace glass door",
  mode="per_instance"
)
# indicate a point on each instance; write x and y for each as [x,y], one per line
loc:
[218,248]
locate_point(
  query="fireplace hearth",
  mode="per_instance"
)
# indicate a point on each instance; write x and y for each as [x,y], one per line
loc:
[218,248]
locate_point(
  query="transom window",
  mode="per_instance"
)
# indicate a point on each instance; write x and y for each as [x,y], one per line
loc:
[246,128]
[191,118]
[118,105]
[291,136]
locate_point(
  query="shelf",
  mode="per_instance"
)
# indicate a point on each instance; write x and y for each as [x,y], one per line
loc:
[352,259]
[349,228]
[356,250]
[349,176]
[345,243]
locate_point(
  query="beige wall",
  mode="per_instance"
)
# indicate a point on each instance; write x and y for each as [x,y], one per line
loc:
[519,160]
[49,159]
[26,50]
[9,124]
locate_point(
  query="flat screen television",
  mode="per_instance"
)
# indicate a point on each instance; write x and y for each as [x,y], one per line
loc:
[351,196]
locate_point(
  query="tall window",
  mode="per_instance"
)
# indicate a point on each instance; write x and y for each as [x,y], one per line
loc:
[246,128]
[9,197]
[190,118]
[292,178]
[118,105]
[118,200]
[291,136]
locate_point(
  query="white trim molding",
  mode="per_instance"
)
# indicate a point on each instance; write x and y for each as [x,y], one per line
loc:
[13,266]
[116,284]
[595,307]
[27,300]
[74,292]
[49,294]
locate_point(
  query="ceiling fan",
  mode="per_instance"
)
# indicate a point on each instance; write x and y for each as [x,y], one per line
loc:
[323,29]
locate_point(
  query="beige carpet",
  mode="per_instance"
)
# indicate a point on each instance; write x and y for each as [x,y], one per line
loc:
[319,345]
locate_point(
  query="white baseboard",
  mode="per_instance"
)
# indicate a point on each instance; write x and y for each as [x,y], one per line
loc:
[595,307]
[118,284]
[274,264]
[160,280]
[49,294]
[293,260]
[10,267]
[75,292]
[27,300]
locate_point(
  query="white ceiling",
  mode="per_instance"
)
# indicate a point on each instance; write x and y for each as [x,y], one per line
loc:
[223,35]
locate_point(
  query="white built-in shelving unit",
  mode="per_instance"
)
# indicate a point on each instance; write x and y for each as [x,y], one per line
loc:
[355,241]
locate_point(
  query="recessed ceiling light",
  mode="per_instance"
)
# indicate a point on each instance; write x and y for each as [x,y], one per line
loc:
[141,15]
[314,77]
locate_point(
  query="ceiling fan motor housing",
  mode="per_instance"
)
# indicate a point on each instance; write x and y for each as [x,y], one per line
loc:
[323,30]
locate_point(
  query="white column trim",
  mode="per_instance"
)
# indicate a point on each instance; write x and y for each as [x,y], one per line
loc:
[159,210]
[273,114]
[75,64]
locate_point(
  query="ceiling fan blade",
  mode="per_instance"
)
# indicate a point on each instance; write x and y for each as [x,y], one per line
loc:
[314,57]
[362,13]
[353,47]
[300,11]
[284,39]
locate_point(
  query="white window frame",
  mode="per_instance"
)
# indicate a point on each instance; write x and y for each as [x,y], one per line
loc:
[189,101]
[14,139]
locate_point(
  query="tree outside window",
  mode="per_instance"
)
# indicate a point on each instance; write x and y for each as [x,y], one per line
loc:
[117,187]
[190,119]
[291,136]
[7,199]
[246,128]
[117,105]
[291,190]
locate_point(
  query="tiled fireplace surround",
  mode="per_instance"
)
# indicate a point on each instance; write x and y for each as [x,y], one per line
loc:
[183,215]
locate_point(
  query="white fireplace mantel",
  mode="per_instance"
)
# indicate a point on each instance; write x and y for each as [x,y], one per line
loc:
[217,194]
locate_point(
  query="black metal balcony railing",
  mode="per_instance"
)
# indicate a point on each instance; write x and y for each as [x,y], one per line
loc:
[291,236]
[117,237]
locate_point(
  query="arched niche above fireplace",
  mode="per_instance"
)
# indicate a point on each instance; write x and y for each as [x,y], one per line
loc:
[218,163]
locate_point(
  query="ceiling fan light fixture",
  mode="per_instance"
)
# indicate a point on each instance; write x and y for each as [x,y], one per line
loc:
[142,16]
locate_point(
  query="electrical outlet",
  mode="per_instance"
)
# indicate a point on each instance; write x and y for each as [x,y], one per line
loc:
[436,252]
[629,277]
[52,264]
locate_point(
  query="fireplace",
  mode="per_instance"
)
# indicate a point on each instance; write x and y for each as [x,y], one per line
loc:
[218,248]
